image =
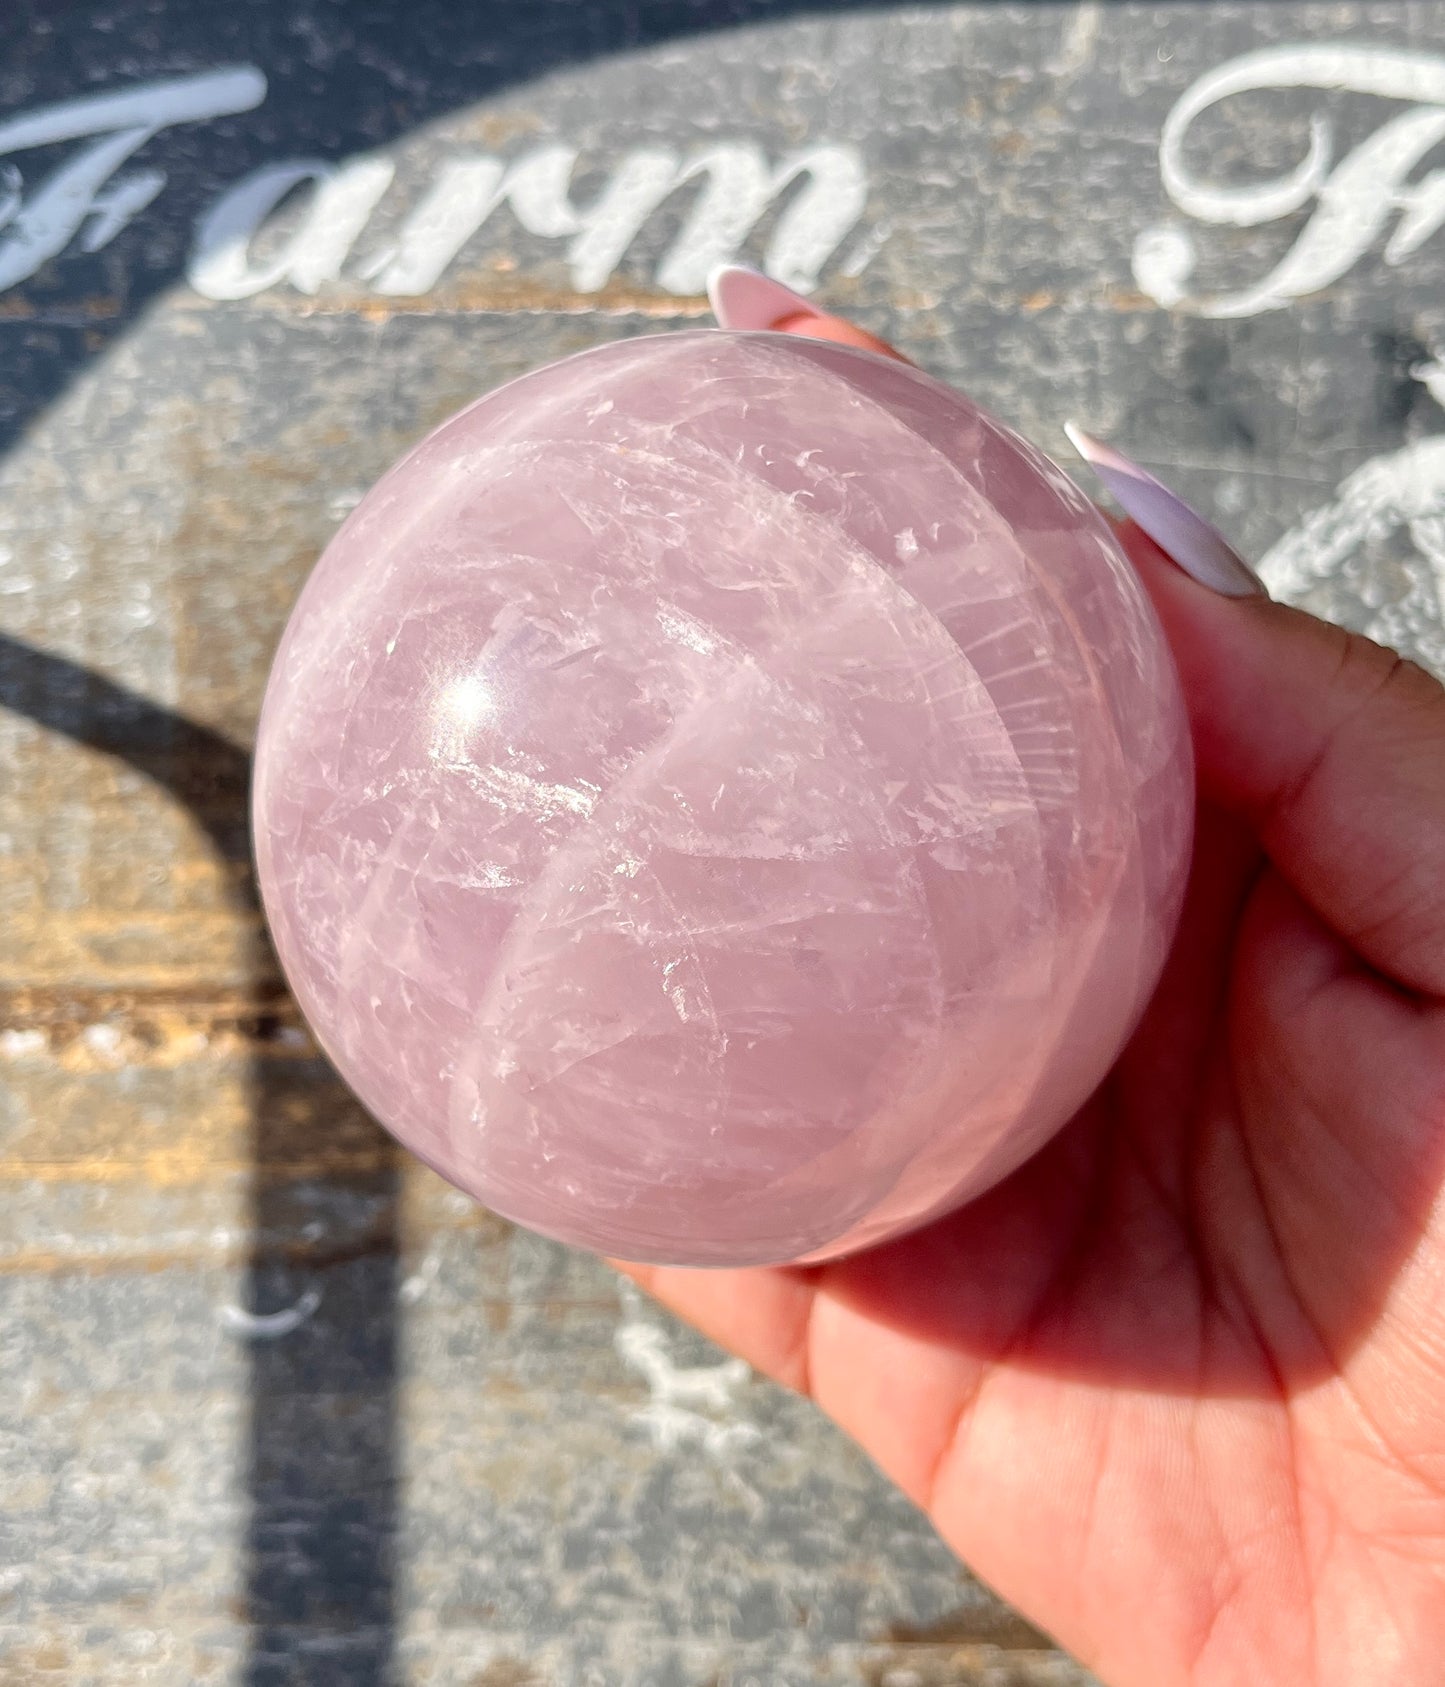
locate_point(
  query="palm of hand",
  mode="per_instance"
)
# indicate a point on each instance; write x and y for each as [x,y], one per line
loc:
[1177,1387]
[1174,1387]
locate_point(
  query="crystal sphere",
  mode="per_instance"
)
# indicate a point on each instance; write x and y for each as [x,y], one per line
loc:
[723,798]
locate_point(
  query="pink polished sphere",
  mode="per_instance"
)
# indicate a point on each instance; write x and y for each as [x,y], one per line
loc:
[723,798]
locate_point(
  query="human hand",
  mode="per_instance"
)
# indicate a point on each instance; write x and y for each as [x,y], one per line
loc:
[1177,1387]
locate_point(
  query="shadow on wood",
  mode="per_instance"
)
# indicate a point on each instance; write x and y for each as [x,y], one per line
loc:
[321,1463]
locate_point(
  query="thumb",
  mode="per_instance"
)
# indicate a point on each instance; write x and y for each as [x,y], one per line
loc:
[1332,747]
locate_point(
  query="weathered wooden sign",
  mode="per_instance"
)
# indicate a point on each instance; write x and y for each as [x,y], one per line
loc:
[280,1408]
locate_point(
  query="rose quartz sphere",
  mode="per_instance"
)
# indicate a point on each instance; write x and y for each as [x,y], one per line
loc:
[723,798]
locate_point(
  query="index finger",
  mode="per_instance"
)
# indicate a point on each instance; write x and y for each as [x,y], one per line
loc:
[744,298]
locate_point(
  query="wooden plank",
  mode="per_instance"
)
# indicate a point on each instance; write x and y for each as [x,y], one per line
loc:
[280,1407]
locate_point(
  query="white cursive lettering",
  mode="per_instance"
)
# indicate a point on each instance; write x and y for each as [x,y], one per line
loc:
[1354,199]
[39,226]
[739,187]
[820,193]
[343,198]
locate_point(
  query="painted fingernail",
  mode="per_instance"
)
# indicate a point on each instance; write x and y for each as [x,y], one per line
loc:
[1181,532]
[746,298]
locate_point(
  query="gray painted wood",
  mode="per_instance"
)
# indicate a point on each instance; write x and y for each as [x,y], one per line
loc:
[472,1460]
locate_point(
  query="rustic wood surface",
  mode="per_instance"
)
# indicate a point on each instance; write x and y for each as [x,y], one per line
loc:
[278,1406]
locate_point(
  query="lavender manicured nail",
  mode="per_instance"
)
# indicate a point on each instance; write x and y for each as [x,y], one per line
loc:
[1181,532]
[742,297]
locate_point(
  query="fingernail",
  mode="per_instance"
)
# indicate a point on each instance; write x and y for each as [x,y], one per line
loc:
[746,298]
[1181,532]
